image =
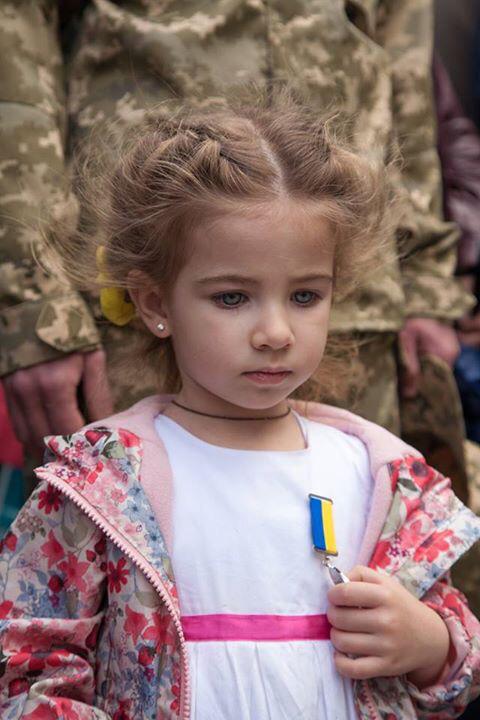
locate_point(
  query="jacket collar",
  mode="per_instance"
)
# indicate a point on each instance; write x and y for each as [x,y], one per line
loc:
[102,465]
[382,447]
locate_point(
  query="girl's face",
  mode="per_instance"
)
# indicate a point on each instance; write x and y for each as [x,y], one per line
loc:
[249,311]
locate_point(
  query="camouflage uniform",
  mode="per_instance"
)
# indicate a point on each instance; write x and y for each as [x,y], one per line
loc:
[368,59]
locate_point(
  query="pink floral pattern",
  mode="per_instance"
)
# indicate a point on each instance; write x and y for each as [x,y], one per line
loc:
[57,565]
[87,600]
[49,499]
[117,575]
[53,550]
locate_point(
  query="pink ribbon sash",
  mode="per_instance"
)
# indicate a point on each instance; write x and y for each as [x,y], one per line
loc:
[204,628]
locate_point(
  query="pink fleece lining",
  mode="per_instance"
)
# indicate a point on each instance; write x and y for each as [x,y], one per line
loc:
[210,628]
[156,472]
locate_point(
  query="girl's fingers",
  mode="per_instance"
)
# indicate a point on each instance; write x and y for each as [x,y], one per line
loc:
[356,619]
[358,595]
[362,573]
[360,668]
[355,643]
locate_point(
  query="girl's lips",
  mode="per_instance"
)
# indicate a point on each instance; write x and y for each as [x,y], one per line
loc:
[265,377]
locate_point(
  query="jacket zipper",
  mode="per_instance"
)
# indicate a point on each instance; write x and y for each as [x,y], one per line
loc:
[151,577]
[369,701]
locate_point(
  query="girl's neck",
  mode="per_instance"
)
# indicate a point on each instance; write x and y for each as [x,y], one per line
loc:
[279,434]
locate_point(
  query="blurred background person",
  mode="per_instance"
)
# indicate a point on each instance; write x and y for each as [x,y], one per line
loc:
[459,150]
[457,45]
[71,65]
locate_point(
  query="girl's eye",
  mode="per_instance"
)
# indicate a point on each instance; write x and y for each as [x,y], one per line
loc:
[305,297]
[230,299]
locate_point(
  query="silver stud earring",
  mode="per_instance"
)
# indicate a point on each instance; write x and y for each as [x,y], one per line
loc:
[161,326]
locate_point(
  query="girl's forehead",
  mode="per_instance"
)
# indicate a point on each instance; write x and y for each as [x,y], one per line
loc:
[288,232]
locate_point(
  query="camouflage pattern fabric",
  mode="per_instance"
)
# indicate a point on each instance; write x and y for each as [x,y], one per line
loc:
[433,421]
[466,577]
[466,573]
[368,59]
[41,317]
[373,386]
[130,381]
[472,454]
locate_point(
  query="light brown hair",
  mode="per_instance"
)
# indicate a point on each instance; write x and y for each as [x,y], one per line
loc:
[185,168]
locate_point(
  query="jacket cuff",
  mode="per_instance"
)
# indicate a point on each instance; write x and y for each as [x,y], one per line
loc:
[38,331]
[435,297]
[454,686]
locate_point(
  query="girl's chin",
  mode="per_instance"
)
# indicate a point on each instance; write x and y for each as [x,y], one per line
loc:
[250,398]
[257,405]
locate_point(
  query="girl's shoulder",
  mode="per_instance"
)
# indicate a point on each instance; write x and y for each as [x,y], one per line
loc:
[418,527]
[102,462]
[102,471]
[96,470]
[81,457]
[113,447]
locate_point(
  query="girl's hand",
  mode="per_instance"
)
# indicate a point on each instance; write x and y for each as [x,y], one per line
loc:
[385,630]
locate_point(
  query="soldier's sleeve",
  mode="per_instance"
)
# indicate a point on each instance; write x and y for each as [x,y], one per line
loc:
[41,317]
[427,244]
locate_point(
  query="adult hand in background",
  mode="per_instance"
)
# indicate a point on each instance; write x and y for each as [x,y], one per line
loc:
[424,336]
[43,399]
[469,330]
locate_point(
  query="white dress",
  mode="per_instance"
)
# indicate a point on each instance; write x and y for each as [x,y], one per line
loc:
[242,545]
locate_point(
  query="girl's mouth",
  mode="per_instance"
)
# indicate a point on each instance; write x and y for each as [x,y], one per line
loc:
[268,377]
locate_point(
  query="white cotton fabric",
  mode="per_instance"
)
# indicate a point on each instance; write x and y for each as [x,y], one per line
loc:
[242,544]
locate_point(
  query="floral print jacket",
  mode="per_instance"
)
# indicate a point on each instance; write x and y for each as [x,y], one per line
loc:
[89,618]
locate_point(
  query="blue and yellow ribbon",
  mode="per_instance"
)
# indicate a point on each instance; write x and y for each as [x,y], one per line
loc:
[323,531]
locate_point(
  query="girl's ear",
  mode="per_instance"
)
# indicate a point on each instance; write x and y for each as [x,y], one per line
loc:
[150,301]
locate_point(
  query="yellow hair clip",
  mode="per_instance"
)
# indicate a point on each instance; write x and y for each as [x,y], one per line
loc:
[114,301]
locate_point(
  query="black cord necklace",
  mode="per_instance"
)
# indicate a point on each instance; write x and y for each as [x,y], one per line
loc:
[226,417]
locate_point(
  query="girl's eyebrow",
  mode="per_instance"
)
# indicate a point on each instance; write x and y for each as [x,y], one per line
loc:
[311,277]
[242,280]
[237,279]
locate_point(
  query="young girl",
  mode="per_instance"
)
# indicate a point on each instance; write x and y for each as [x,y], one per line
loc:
[164,565]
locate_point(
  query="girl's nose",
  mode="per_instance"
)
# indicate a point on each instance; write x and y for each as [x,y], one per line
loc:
[273,332]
